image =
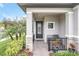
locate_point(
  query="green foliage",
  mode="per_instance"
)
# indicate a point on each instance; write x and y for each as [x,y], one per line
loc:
[14,47]
[12,28]
[3,46]
[65,53]
[11,47]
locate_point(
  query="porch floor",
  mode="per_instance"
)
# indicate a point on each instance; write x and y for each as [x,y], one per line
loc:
[40,48]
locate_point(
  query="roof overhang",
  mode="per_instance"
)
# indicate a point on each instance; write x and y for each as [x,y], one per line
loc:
[47,5]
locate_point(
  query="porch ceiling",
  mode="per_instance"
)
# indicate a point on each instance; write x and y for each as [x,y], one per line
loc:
[47,5]
[42,15]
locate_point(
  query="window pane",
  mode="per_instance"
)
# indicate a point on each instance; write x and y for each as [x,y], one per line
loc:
[50,25]
[39,28]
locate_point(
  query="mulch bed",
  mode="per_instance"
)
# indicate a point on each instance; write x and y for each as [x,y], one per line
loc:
[25,52]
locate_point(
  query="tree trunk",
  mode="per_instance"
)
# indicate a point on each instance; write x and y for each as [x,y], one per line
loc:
[16,36]
[11,36]
[20,34]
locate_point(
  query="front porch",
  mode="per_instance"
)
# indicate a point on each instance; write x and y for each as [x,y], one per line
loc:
[68,26]
[41,31]
[47,24]
[61,19]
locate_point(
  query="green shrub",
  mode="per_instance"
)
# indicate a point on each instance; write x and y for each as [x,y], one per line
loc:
[14,47]
[3,46]
[65,53]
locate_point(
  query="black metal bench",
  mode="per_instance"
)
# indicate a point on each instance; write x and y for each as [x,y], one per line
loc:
[51,38]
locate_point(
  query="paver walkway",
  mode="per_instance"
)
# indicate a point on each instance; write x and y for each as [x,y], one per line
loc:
[40,48]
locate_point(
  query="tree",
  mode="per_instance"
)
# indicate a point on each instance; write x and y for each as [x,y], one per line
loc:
[15,28]
[9,28]
[22,25]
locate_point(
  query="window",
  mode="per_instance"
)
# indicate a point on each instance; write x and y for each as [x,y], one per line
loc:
[51,25]
[39,28]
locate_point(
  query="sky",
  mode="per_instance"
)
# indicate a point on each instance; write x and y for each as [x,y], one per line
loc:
[11,10]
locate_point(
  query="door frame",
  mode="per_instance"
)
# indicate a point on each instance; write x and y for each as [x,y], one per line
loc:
[42,30]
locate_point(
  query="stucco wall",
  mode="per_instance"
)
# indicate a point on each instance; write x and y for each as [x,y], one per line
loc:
[59,26]
[62,25]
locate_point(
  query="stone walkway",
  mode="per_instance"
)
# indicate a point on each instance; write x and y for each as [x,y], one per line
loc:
[40,48]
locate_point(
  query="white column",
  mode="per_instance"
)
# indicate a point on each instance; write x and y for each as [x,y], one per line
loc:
[29,39]
[78,30]
[69,24]
[78,22]
[69,28]
[76,27]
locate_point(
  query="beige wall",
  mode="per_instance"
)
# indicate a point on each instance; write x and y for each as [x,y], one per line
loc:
[59,21]
[59,26]
[47,31]
[62,25]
